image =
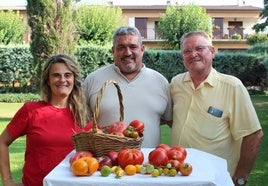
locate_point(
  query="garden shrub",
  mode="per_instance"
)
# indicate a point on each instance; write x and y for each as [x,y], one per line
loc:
[19,97]
[16,65]
[253,39]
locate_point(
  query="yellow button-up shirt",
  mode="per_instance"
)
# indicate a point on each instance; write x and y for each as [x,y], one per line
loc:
[194,126]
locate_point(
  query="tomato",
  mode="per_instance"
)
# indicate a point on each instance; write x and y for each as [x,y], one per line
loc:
[138,125]
[130,157]
[163,146]
[85,166]
[104,160]
[186,169]
[131,132]
[79,154]
[158,157]
[174,154]
[180,148]
[134,134]
[89,126]
[130,169]
[175,164]
[118,126]
[118,134]
[113,155]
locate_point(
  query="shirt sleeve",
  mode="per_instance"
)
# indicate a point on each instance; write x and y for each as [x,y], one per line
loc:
[19,123]
[243,118]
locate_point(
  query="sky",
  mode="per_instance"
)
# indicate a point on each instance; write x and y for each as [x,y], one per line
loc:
[257,3]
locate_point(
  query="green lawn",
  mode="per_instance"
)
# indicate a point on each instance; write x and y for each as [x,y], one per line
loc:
[258,177]
[7,110]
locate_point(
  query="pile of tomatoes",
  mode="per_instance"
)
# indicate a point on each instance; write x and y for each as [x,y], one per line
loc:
[172,158]
[82,163]
[163,159]
[133,130]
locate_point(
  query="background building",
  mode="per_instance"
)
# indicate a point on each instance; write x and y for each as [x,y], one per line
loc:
[230,17]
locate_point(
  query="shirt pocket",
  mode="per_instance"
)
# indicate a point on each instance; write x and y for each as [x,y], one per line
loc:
[212,127]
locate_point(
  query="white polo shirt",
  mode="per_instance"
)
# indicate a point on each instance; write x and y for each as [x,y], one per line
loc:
[146,97]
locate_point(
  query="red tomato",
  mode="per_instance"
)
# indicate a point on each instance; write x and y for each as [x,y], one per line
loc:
[138,125]
[89,126]
[174,154]
[130,157]
[105,160]
[80,154]
[186,169]
[113,155]
[180,148]
[163,146]
[118,134]
[158,157]
[118,126]
[175,164]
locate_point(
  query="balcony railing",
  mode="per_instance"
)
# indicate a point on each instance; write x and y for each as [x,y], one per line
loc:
[150,35]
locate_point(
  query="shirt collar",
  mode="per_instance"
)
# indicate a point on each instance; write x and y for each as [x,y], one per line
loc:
[211,79]
[116,68]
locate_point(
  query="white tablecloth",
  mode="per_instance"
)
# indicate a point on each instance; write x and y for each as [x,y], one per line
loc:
[208,170]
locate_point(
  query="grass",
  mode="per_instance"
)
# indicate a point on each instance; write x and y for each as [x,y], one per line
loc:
[17,149]
[258,177]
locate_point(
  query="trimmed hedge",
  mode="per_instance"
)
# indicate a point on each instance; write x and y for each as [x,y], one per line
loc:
[16,68]
[16,65]
[19,97]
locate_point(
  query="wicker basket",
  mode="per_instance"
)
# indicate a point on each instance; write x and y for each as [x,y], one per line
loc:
[101,143]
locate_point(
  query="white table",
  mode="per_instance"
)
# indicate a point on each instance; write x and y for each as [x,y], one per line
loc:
[208,170]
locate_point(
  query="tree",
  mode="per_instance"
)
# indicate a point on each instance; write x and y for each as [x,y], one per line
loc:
[51,22]
[12,28]
[96,24]
[263,15]
[181,19]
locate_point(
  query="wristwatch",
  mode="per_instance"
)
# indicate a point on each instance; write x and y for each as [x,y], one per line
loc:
[241,181]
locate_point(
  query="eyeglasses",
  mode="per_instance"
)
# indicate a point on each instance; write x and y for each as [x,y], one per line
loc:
[199,49]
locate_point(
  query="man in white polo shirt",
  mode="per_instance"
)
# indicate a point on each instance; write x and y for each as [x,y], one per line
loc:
[146,93]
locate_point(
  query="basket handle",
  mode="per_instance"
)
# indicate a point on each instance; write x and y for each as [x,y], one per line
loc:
[97,104]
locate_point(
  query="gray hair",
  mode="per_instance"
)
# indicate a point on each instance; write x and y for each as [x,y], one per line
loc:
[196,33]
[127,30]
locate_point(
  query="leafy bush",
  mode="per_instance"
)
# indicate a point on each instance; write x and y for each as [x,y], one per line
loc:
[260,48]
[256,92]
[16,67]
[167,62]
[249,68]
[257,38]
[236,36]
[91,57]
[18,98]
[12,27]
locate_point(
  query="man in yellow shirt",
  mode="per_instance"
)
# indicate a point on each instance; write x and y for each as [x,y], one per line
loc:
[212,111]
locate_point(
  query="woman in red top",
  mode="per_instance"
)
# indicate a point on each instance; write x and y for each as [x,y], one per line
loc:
[47,124]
